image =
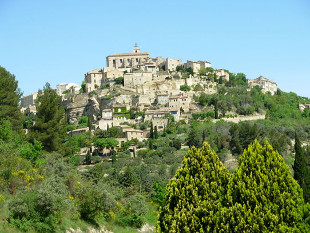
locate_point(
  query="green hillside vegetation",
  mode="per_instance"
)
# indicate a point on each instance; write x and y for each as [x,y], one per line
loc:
[46,185]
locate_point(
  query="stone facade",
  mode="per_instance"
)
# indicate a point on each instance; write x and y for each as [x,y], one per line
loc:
[222,73]
[178,102]
[160,123]
[171,64]
[266,84]
[110,73]
[93,80]
[302,107]
[128,60]
[197,65]
[134,79]
[70,87]
[29,100]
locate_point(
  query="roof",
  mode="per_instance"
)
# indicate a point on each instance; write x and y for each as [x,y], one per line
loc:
[94,71]
[107,110]
[178,97]
[128,54]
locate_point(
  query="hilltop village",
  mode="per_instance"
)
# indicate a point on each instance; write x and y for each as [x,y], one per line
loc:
[134,88]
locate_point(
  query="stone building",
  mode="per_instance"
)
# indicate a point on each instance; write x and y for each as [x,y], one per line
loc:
[163,99]
[93,80]
[171,64]
[70,87]
[222,73]
[134,79]
[160,123]
[302,107]
[197,65]
[178,102]
[111,73]
[128,60]
[266,84]
[29,100]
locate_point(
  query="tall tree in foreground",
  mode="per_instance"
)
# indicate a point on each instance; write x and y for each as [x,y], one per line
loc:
[262,194]
[301,170]
[195,195]
[9,99]
[50,125]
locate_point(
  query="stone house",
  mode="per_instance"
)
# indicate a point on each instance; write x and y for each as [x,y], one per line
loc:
[197,65]
[160,123]
[110,73]
[130,133]
[171,64]
[266,84]
[163,99]
[127,60]
[70,87]
[29,100]
[93,79]
[178,102]
[134,79]
[222,73]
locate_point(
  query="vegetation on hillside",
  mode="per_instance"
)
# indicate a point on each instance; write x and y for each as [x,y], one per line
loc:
[52,179]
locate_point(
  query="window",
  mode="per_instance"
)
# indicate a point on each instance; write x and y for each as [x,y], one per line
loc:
[137,59]
[121,60]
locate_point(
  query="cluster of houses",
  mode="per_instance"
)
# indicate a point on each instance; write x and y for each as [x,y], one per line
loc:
[152,85]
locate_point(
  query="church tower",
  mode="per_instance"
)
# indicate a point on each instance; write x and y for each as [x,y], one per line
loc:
[136,49]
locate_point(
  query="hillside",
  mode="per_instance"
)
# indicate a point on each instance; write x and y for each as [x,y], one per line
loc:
[104,157]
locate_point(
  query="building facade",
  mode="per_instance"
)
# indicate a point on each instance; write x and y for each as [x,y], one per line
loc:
[264,83]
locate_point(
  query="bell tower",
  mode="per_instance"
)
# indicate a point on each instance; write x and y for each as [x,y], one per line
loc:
[136,49]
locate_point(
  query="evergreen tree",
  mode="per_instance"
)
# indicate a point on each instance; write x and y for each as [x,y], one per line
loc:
[262,194]
[301,170]
[300,161]
[151,131]
[196,194]
[155,132]
[9,99]
[50,125]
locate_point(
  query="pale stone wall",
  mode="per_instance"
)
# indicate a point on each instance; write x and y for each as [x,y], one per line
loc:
[123,60]
[28,100]
[160,123]
[60,88]
[177,102]
[222,73]
[163,99]
[93,79]
[302,107]
[265,84]
[171,64]
[132,80]
[194,65]
[110,73]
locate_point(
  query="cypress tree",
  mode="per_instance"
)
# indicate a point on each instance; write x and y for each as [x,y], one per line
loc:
[155,132]
[300,161]
[262,195]
[301,170]
[50,125]
[9,99]
[195,195]
[151,131]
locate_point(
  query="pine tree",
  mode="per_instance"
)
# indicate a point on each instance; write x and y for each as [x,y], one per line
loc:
[9,99]
[262,195]
[50,125]
[195,195]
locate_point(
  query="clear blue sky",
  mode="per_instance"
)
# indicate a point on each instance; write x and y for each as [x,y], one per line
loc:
[59,41]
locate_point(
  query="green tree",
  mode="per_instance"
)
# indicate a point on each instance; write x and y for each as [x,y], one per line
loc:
[151,131]
[196,194]
[185,88]
[262,194]
[119,80]
[301,170]
[9,99]
[155,132]
[50,124]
